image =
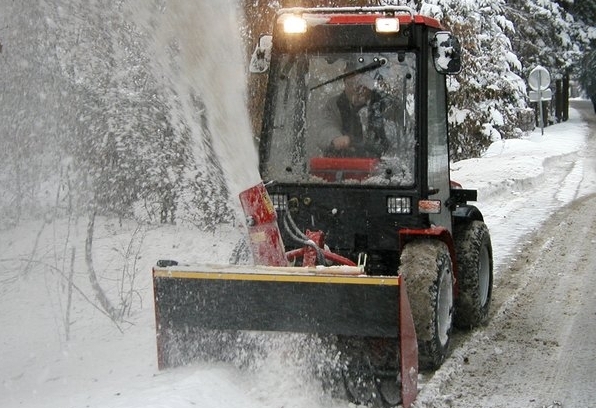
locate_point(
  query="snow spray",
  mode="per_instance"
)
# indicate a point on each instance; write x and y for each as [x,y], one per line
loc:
[200,43]
[204,38]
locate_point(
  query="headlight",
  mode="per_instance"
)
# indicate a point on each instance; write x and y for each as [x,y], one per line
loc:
[387,25]
[280,201]
[294,24]
[399,205]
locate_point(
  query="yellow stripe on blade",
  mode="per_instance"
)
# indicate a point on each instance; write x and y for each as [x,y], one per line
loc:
[281,277]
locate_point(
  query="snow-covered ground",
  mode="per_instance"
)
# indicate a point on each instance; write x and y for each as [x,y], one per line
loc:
[552,166]
[102,364]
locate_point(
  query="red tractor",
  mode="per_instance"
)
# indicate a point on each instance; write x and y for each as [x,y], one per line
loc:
[357,232]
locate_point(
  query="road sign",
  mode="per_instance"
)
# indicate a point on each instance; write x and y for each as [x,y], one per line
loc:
[545,95]
[539,79]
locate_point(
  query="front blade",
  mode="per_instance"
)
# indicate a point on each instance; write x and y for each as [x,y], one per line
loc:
[277,299]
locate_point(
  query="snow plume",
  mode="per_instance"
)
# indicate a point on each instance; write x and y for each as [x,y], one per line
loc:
[198,52]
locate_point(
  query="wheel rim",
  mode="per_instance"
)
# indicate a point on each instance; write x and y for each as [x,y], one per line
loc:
[484,275]
[445,307]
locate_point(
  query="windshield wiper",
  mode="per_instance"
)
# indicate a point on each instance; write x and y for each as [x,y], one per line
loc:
[373,65]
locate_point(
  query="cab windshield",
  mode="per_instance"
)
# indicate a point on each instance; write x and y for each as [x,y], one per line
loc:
[343,118]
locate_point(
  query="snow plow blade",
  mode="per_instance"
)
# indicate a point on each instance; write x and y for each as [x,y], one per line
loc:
[271,299]
[327,301]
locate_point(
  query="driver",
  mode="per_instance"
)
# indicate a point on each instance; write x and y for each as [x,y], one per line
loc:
[353,123]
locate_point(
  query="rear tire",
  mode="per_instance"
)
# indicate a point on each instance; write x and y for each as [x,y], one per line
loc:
[475,274]
[426,266]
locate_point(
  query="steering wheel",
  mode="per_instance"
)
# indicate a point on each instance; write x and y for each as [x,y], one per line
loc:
[364,149]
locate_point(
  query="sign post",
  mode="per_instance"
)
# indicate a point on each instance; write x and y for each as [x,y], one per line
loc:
[539,81]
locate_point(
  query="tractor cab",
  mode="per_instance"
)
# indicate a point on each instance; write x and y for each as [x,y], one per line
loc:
[354,141]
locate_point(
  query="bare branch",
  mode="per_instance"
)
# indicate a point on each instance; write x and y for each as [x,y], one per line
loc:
[99,293]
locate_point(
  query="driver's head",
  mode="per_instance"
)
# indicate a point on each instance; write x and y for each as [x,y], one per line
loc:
[358,89]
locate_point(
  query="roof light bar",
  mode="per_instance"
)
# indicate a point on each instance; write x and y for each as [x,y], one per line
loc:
[342,10]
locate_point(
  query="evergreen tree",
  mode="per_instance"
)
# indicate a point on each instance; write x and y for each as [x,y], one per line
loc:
[546,35]
[488,97]
[587,75]
[584,13]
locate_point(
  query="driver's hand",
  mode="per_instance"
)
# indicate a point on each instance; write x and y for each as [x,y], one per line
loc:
[341,142]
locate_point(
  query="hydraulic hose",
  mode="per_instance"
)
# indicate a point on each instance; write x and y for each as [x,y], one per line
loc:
[298,236]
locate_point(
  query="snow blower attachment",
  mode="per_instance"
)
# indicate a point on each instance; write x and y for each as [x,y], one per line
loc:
[335,300]
[366,243]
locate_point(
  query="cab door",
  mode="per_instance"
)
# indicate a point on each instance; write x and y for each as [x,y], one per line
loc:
[438,146]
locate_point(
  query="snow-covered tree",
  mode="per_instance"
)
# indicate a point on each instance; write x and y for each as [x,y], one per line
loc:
[488,97]
[584,13]
[546,35]
[587,75]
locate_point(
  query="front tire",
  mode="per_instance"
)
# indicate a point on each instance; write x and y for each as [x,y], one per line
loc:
[427,268]
[475,274]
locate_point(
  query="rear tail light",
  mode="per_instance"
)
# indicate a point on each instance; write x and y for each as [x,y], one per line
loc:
[429,206]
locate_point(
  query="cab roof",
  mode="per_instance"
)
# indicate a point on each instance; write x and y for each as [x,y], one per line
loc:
[358,15]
